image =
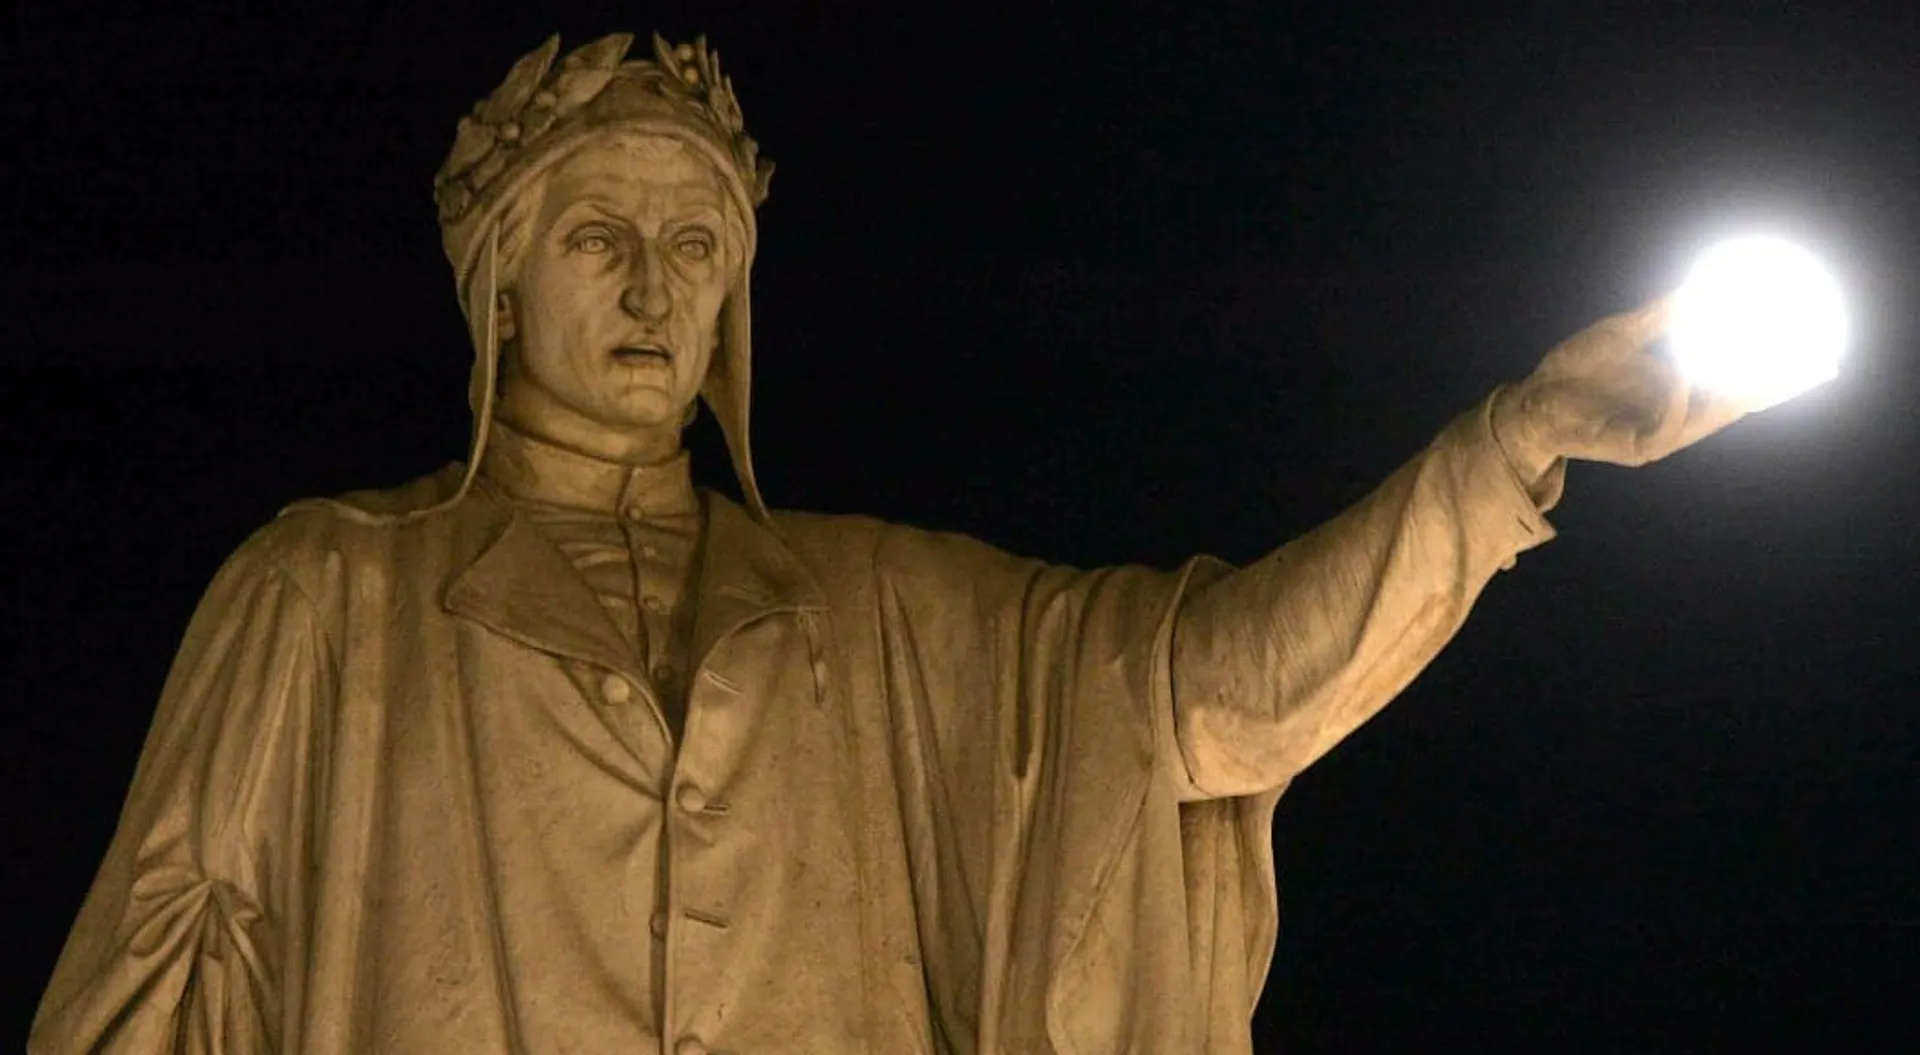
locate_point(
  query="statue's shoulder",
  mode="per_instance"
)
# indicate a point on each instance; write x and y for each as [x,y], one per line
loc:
[895,551]
[803,529]
[384,503]
[358,524]
[319,546]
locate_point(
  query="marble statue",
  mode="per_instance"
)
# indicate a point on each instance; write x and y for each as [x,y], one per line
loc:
[551,752]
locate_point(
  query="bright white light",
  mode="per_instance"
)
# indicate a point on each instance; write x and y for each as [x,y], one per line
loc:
[1758,320]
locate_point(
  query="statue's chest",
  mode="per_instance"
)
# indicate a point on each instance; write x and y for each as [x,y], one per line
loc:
[709,875]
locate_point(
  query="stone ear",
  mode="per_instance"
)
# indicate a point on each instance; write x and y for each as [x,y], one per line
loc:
[503,317]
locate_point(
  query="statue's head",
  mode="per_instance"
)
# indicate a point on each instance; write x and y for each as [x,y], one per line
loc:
[609,308]
[599,215]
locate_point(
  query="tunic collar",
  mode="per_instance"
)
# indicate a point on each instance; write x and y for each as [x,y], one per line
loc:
[533,470]
[514,581]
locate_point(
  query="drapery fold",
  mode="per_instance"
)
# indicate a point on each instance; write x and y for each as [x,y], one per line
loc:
[177,947]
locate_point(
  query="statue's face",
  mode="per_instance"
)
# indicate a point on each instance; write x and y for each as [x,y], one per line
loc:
[615,307]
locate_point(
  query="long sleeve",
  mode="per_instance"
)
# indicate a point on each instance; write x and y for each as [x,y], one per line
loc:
[1275,663]
[1070,900]
[179,945]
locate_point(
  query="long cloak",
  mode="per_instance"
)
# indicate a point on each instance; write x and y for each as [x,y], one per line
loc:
[1046,837]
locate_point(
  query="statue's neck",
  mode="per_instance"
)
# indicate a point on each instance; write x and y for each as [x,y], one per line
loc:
[562,427]
[536,469]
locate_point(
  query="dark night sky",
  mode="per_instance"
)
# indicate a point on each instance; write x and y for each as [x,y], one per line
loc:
[1096,288]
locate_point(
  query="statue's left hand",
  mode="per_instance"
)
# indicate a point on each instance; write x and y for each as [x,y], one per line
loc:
[1603,396]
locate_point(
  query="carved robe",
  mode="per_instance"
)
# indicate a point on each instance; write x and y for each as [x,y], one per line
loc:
[931,797]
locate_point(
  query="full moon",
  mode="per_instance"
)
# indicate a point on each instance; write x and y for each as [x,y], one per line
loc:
[1759,320]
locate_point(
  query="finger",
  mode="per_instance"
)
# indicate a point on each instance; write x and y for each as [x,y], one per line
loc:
[1707,414]
[1648,323]
[1621,337]
[1668,403]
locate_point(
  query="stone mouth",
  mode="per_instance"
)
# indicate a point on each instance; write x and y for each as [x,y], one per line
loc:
[636,352]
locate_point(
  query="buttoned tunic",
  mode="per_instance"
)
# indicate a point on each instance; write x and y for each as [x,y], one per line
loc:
[631,532]
[930,797]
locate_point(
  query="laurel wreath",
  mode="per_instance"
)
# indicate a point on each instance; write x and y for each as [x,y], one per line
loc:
[537,96]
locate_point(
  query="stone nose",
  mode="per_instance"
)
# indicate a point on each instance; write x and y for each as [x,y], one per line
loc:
[646,297]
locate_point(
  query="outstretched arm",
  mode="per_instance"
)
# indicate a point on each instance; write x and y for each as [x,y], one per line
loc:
[1275,663]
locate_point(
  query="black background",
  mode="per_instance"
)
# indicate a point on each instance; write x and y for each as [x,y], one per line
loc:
[1098,286]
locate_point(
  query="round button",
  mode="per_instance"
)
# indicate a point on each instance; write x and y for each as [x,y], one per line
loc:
[636,513]
[658,925]
[649,551]
[689,1046]
[664,674]
[690,798]
[615,689]
[653,604]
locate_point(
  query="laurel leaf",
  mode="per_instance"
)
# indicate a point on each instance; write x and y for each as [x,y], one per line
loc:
[663,55]
[726,107]
[470,144]
[605,53]
[522,81]
[702,61]
[574,88]
[535,124]
[486,170]
[762,180]
[454,199]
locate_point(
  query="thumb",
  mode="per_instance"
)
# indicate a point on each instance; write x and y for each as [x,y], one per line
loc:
[1648,323]
[1708,413]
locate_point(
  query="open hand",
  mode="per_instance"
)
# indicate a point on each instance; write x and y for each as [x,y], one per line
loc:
[1603,396]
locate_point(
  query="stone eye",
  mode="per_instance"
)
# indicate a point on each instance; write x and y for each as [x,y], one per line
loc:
[695,247]
[595,242]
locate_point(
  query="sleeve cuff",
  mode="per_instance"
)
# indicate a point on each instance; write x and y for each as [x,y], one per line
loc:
[1510,516]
